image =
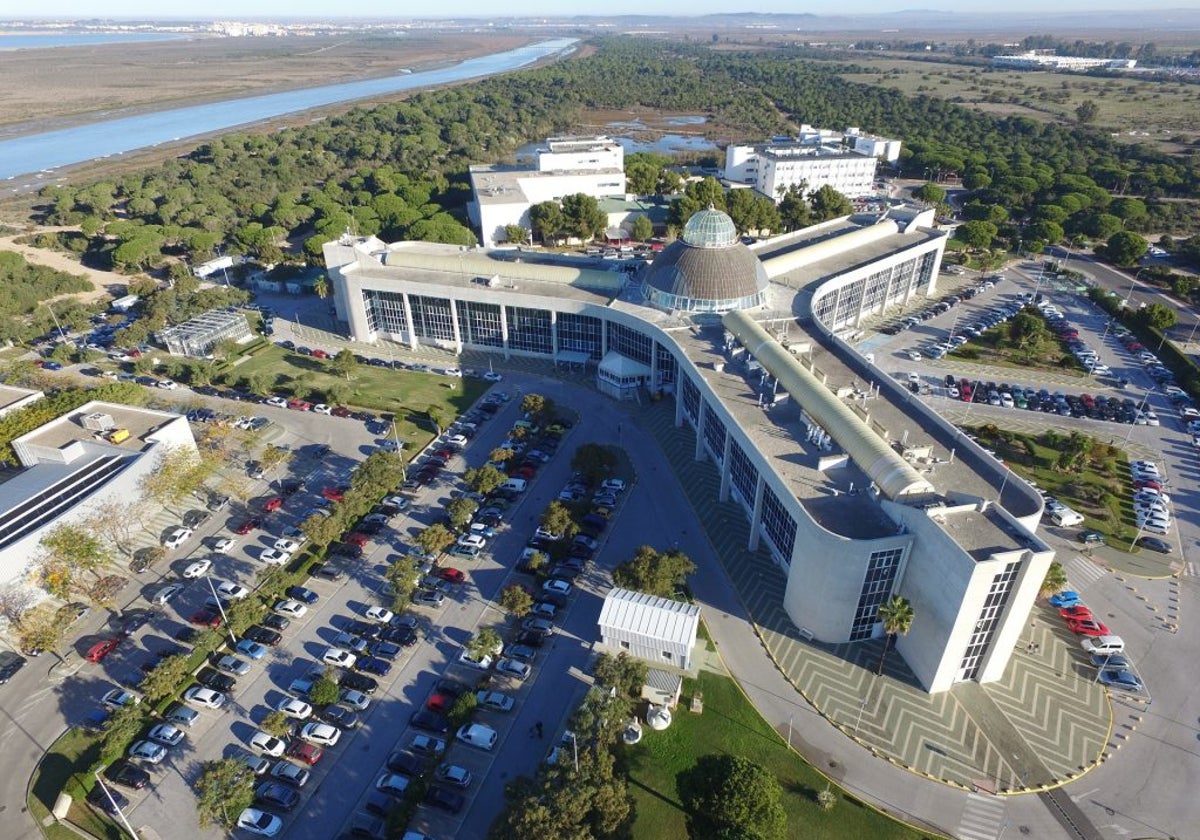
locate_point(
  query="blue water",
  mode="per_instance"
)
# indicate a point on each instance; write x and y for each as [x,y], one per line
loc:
[68,146]
[45,40]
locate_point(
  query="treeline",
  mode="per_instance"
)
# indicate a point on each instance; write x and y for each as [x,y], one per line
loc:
[398,170]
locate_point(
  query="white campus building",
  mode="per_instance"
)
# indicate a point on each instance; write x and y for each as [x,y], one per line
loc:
[846,161]
[502,194]
[656,630]
[1048,61]
[855,488]
[73,466]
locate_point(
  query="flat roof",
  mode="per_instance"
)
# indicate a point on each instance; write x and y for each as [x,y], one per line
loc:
[500,183]
[10,395]
[69,428]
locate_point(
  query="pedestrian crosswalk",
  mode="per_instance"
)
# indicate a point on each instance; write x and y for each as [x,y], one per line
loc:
[982,818]
[1081,572]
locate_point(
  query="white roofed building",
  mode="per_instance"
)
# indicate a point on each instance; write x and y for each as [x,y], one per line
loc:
[656,630]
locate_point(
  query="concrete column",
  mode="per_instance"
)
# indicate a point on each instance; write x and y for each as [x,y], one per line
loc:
[679,400]
[726,473]
[408,321]
[504,329]
[458,345]
[654,366]
[604,340]
[754,516]
[553,334]
[699,454]
[356,311]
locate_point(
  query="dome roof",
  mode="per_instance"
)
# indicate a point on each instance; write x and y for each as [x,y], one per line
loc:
[706,270]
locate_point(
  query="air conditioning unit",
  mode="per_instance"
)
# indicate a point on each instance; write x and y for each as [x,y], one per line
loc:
[99,422]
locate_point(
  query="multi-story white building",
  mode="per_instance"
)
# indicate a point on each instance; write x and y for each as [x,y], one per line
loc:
[502,195]
[1049,61]
[73,466]
[816,158]
[857,490]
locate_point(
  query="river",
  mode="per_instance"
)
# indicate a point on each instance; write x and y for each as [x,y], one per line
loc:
[53,149]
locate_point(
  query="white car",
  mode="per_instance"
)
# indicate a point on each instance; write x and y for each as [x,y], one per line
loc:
[398,502]
[293,774]
[321,734]
[455,372]
[148,751]
[233,665]
[267,744]
[232,591]
[495,700]
[294,708]
[339,657]
[513,668]
[557,587]
[262,823]
[454,775]
[477,735]
[205,697]
[118,698]
[613,485]
[481,664]
[321,408]
[492,376]
[177,537]
[472,541]
[287,546]
[165,594]
[224,544]
[272,557]
[278,402]
[914,356]
[168,385]
[457,440]
[380,614]
[291,608]
[166,734]
[354,699]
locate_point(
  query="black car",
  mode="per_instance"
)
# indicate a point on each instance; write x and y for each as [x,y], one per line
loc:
[276,795]
[365,825]
[196,518]
[1155,544]
[324,571]
[216,501]
[365,629]
[339,716]
[263,636]
[216,680]
[430,721]
[359,682]
[347,550]
[133,620]
[128,775]
[404,636]
[275,621]
[107,799]
[409,764]
[530,639]
[10,663]
[450,688]
[443,797]
[385,650]
[374,665]
[379,804]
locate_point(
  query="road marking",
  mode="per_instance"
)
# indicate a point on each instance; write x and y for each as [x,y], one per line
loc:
[982,818]
[1079,569]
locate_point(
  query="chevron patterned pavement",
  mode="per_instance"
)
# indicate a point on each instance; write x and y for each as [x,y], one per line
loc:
[1042,724]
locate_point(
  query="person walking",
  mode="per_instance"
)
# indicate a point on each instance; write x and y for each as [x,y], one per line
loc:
[538,728]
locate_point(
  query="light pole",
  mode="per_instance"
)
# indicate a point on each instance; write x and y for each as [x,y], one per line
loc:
[61,332]
[575,748]
[221,610]
[113,802]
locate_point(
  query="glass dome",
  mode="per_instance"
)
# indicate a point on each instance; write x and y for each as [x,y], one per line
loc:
[709,229]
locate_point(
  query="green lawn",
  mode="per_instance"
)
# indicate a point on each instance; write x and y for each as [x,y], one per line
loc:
[406,393]
[65,767]
[730,724]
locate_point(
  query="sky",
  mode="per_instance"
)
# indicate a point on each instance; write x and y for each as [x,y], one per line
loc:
[322,9]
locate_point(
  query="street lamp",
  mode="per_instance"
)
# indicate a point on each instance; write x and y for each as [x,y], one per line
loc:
[61,332]
[113,802]
[221,610]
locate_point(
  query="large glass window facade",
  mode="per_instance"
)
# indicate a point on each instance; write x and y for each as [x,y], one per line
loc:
[580,334]
[385,311]
[529,330]
[742,473]
[882,569]
[432,320]
[666,364]
[479,324]
[714,434]
[630,343]
[690,395]
[778,525]
[989,617]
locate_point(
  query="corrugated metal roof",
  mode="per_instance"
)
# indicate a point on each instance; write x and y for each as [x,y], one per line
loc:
[649,615]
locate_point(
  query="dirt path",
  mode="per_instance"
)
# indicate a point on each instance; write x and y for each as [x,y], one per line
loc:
[103,282]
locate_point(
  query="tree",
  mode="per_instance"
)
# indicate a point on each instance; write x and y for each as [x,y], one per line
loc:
[277,723]
[165,678]
[582,216]
[438,416]
[499,455]
[732,796]
[322,529]
[1026,328]
[463,709]
[537,561]
[76,547]
[435,539]
[516,600]
[177,474]
[557,519]
[40,628]
[1125,248]
[344,363]
[1087,111]
[533,404]
[594,462]
[642,228]
[1158,315]
[547,220]
[272,456]
[622,672]
[121,727]
[403,576]
[484,643]
[223,790]
[516,234]
[794,212]
[117,521]
[460,511]
[321,286]
[655,573]
[1055,580]
[324,691]
[897,618]
[976,235]
[930,193]
[827,203]
[16,599]
[484,479]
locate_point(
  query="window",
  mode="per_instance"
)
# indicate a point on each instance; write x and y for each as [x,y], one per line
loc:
[691,399]
[385,312]
[778,525]
[431,318]
[877,587]
[742,474]
[989,617]
[479,324]
[630,343]
[714,434]
[580,334]
[667,655]
[625,645]
[529,330]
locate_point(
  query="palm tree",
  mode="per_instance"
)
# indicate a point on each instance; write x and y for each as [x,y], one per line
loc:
[897,618]
[321,286]
[1055,580]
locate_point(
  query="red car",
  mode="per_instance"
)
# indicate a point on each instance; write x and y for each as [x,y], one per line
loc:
[443,454]
[299,405]
[341,411]
[334,494]
[273,504]
[439,702]
[249,525]
[100,650]
[1142,485]
[206,618]
[1087,627]
[310,754]
[358,539]
[525,472]
[320,354]
[1076,613]
[451,574]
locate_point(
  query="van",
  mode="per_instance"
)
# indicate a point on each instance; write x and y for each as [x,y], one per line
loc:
[1065,517]
[1104,645]
[514,485]
[477,735]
